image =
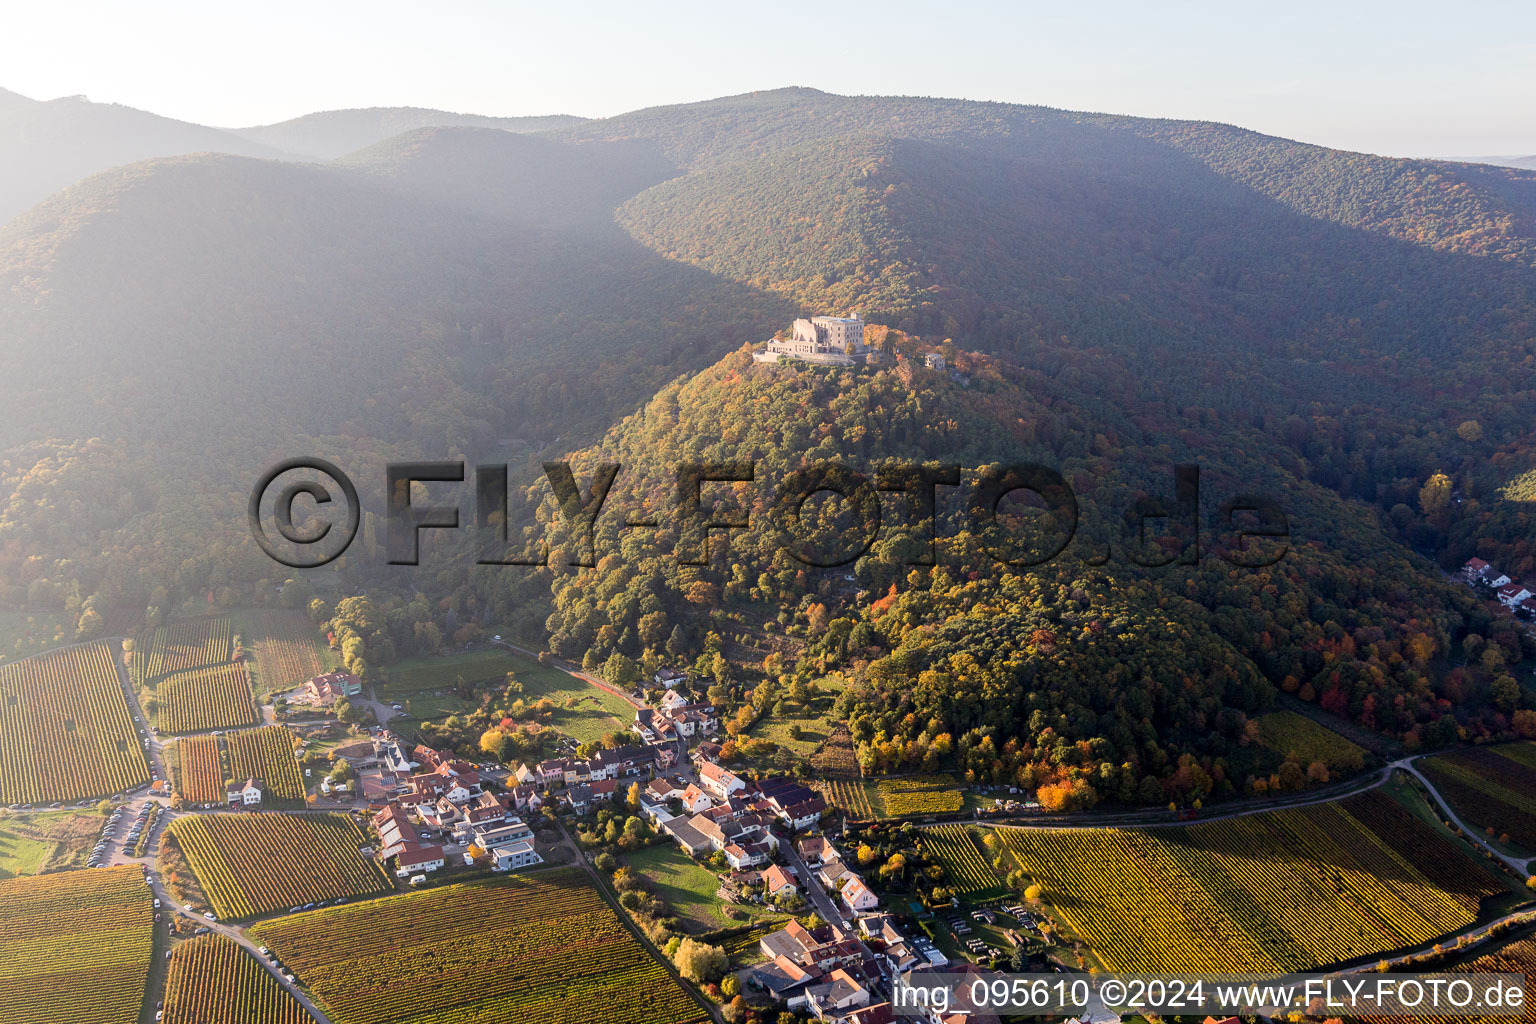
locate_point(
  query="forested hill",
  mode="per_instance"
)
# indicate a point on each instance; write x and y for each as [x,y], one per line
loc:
[1376,314]
[1357,335]
[52,144]
[1445,204]
[1115,669]
[525,177]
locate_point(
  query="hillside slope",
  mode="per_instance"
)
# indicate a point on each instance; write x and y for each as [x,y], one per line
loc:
[50,145]
[326,135]
[1122,666]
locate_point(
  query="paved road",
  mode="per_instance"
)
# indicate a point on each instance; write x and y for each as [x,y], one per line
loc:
[1159,819]
[1520,865]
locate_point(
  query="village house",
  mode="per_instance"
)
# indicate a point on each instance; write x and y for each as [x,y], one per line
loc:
[578,798]
[247,794]
[645,724]
[672,700]
[833,873]
[670,677]
[1512,595]
[814,850]
[826,948]
[874,1013]
[720,782]
[777,882]
[332,686]
[782,978]
[857,897]
[663,788]
[693,842]
[795,804]
[837,992]
[418,859]
[510,845]
[395,828]
[695,800]
[741,856]
[443,813]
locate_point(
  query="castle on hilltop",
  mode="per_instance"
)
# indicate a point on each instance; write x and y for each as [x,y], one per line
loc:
[829,340]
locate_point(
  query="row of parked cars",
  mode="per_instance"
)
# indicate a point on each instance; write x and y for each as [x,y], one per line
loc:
[272,958]
[103,850]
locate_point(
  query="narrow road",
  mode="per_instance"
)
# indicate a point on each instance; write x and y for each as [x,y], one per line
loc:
[1159,819]
[1519,865]
[824,902]
[814,891]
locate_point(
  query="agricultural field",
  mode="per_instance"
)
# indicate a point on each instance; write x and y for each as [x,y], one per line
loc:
[65,730]
[250,864]
[1285,890]
[836,759]
[77,947]
[214,980]
[200,775]
[41,841]
[542,947]
[182,646]
[426,685]
[288,651]
[267,754]
[919,794]
[965,861]
[216,697]
[1517,957]
[851,796]
[1490,787]
[1292,735]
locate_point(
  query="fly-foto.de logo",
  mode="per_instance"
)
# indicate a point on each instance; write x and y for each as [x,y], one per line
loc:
[305,513]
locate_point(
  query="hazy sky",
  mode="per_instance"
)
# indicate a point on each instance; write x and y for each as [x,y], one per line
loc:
[1404,78]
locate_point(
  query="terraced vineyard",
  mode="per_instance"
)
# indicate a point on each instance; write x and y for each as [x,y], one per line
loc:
[213,980]
[249,864]
[182,646]
[201,772]
[967,865]
[540,948]
[849,796]
[1291,735]
[267,754]
[1288,890]
[65,730]
[836,758]
[921,794]
[77,947]
[287,649]
[216,697]
[1490,787]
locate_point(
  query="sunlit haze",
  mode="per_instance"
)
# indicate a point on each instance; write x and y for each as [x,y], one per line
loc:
[1399,78]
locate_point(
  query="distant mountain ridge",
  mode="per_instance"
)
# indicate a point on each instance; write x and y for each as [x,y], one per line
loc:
[329,134]
[52,144]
